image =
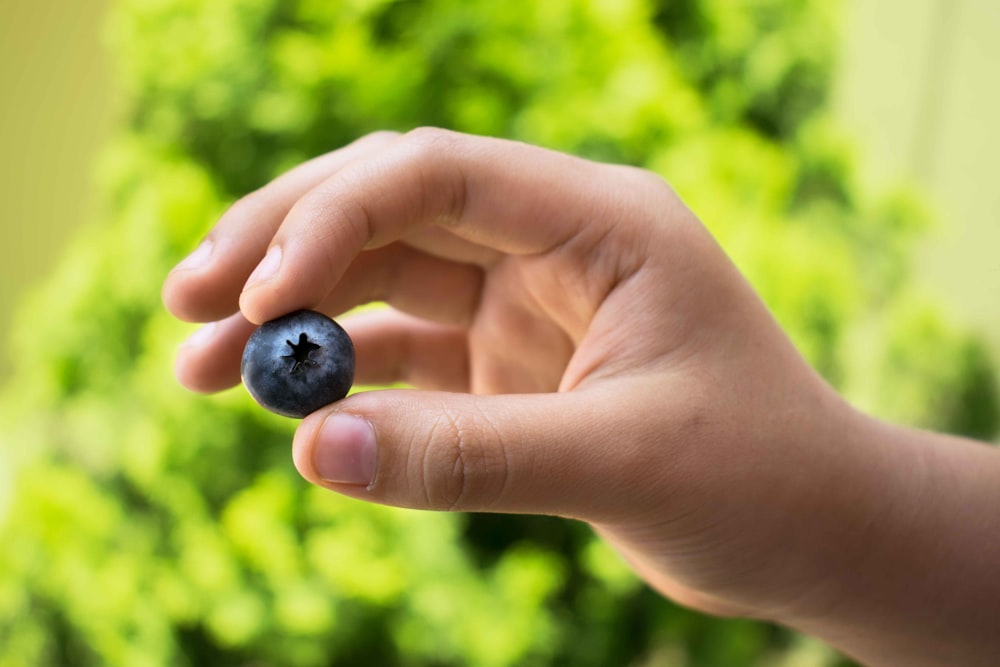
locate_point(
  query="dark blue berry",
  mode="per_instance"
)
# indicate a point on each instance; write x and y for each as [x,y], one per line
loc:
[298,363]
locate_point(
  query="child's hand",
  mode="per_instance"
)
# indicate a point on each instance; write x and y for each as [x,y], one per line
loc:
[592,354]
[609,362]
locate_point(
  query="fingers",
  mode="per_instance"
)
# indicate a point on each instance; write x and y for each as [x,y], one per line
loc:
[502,195]
[392,347]
[207,284]
[441,242]
[409,280]
[412,281]
[209,360]
[560,454]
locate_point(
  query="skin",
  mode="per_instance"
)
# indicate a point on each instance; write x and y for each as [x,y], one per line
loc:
[581,347]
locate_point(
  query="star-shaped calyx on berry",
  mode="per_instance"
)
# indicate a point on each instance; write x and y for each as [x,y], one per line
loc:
[300,353]
[297,363]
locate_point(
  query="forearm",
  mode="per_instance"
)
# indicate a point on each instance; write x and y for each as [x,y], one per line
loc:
[920,583]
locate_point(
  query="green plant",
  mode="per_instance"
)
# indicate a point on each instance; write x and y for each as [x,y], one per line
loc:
[147,526]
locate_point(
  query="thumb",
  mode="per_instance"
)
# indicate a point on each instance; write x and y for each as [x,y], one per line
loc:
[534,453]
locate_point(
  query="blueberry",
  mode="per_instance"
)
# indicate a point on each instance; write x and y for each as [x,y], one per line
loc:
[298,363]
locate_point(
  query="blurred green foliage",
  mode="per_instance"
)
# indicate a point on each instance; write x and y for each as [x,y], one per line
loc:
[146,526]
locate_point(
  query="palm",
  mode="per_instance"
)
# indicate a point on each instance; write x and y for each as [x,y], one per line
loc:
[514,346]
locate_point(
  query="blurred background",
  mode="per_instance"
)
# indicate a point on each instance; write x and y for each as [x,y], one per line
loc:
[58,110]
[843,152]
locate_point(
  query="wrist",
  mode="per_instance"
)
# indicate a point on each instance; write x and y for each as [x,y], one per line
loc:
[846,496]
[909,572]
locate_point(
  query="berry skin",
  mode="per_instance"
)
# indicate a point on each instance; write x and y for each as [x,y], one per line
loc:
[298,363]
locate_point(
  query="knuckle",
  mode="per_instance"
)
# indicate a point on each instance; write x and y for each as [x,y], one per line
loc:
[646,180]
[438,159]
[464,467]
[430,139]
[380,136]
[336,216]
[251,206]
[247,206]
[665,211]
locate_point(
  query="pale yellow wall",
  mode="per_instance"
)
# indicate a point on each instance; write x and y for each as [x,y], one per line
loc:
[54,113]
[920,87]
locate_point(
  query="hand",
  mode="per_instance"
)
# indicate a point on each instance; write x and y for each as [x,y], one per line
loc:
[582,347]
[608,361]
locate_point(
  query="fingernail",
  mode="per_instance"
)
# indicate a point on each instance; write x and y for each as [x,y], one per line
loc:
[344,451]
[267,267]
[201,336]
[198,258]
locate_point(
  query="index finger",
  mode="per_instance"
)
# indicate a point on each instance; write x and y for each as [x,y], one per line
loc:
[504,195]
[209,290]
